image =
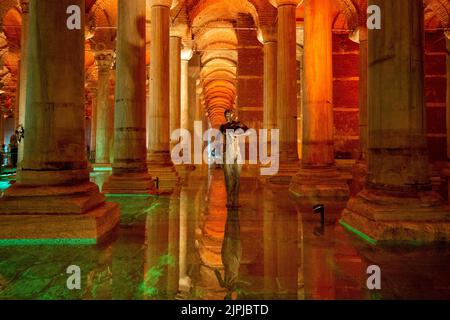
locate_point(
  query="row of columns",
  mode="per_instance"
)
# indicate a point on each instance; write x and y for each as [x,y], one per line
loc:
[130,173]
[53,200]
[392,123]
[102,116]
[397,202]
[54,149]
[317,177]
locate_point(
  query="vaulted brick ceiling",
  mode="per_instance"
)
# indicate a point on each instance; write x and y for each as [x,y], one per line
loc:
[213,29]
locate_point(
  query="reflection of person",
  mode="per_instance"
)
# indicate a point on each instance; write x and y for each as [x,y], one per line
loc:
[231,257]
[232,157]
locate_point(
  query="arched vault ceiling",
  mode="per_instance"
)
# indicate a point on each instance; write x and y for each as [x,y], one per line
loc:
[204,11]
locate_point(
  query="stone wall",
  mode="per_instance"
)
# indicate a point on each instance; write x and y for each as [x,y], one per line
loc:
[250,73]
[435,94]
[345,96]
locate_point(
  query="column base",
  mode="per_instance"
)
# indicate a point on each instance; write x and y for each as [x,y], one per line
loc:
[359,178]
[378,216]
[163,171]
[319,184]
[56,215]
[129,183]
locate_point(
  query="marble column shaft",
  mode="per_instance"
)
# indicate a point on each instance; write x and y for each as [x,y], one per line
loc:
[318,179]
[175,84]
[104,113]
[159,80]
[270,84]
[360,169]
[318,85]
[93,136]
[55,139]
[130,173]
[448,99]
[24,4]
[287,83]
[397,148]
[184,117]
[130,112]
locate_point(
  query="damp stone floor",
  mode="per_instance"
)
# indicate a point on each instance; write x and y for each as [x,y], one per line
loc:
[271,248]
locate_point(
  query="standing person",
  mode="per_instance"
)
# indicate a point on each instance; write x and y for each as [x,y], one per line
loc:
[232,161]
[13,149]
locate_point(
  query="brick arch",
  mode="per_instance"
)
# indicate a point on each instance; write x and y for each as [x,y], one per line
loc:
[441,9]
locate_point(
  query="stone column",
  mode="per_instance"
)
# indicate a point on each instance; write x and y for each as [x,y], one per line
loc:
[186,55]
[160,163]
[287,86]
[53,200]
[130,174]
[175,85]
[300,92]
[185,120]
[446,172]
[104,115]
[318,178]
[360,170]
[93,136]
[173,268]
[269,40]
[24,5]
[185,282]
[397,203]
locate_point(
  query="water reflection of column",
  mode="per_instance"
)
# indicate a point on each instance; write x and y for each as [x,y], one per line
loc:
[99,282]
[156,256]
[285,226]
[269,246]
[173,270]
[318,275]
[281,253]
[185,281]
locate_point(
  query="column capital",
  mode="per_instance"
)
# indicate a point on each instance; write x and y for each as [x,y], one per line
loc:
[267,33]
[180,30]
[164,3]
[104,59]
[187,51]
[25,6]
[278,3]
